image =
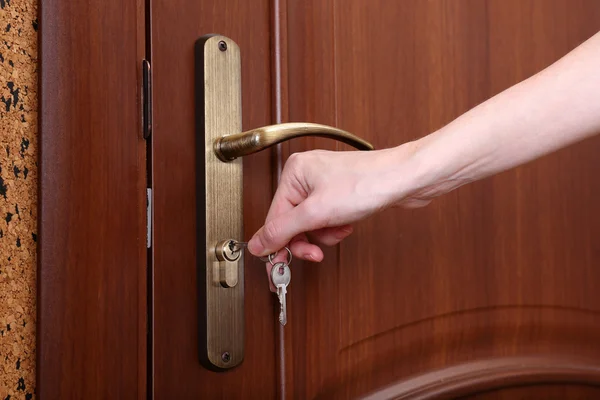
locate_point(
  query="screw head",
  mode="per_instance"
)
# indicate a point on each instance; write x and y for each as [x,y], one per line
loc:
[222,45]
[226,357]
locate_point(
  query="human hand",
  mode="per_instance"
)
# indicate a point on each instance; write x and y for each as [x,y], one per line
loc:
[321,193]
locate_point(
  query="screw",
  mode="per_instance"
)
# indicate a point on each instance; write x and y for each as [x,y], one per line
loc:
[226,357]
[222,46]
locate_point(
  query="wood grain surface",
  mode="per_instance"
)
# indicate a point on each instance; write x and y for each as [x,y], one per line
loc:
[92,257]
[505,266]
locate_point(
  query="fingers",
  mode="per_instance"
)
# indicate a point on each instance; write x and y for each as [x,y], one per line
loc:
[413,203]
[302,248]
[330,236]
[305,250]
[284,200]
[280,230]
[288,195]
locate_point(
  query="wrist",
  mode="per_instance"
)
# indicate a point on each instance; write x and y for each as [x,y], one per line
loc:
[430,168]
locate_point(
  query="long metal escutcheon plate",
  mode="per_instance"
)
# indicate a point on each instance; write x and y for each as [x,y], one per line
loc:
[219,204]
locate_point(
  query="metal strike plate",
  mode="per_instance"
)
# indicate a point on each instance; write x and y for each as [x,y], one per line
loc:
[219,204]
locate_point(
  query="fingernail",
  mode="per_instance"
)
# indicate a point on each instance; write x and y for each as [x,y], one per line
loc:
[255,246]
[346,231]
[309,257]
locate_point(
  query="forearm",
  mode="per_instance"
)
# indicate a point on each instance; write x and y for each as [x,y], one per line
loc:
[551,110]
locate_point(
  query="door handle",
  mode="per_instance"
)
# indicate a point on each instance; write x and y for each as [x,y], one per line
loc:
[220,144]
[230,147]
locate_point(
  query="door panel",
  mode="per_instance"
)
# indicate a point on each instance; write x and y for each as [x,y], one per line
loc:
[503,267]
[466,289]
[91,331]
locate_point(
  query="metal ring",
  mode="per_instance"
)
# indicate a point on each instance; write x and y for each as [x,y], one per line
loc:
[274,254]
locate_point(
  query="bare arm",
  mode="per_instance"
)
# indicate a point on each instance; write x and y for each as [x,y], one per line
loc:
[551,110]
[321,193]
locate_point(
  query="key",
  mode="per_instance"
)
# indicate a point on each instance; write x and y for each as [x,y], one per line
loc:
[236,246]
[281,276]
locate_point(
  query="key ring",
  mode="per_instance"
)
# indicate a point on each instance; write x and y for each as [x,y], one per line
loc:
[274,254]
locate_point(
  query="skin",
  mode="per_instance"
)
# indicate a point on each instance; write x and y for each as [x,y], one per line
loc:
[321,193]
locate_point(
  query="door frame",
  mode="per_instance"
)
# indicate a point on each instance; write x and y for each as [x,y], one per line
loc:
[92,260]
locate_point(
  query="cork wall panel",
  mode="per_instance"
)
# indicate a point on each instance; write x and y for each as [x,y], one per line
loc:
[18,197]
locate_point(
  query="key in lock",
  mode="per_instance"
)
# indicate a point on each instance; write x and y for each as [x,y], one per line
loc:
[228,263]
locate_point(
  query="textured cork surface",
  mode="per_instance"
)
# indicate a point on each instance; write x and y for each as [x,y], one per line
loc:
[18,197]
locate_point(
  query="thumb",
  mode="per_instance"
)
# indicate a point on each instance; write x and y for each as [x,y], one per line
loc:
[280,230]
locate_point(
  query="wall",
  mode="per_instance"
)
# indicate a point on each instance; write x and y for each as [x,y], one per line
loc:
[18,197]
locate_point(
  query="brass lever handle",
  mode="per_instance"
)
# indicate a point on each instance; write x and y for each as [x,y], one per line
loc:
[228,148]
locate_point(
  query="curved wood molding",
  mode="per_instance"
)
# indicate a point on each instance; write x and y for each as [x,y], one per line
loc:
[485,375]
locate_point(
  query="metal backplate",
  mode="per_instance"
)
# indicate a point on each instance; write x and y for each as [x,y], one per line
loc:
[219,197]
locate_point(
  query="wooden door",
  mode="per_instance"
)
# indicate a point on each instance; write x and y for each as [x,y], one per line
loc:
[91,283]
[488,293]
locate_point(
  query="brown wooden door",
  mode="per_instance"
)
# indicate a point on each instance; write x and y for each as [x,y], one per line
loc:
[91,321]
[488,293]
